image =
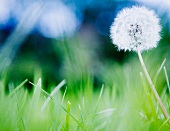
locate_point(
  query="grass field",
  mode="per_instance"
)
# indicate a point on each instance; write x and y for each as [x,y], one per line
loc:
[122,102]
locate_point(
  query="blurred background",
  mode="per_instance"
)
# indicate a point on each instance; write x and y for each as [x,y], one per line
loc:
[69,39]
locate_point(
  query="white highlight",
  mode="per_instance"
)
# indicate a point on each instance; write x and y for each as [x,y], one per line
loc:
[6,7]
[57,21]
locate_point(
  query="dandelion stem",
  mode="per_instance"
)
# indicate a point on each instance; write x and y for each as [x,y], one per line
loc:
[153,87]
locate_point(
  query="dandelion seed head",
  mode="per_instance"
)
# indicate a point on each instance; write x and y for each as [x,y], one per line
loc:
[136,28]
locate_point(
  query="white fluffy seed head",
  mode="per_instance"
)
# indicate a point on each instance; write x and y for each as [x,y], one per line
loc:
[136,28]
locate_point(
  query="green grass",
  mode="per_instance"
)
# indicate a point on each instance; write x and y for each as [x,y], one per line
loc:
[123,102]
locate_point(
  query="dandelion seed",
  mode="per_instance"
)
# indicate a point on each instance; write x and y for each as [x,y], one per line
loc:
[136,28]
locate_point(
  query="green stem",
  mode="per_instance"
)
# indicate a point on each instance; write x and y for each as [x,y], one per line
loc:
[153,87]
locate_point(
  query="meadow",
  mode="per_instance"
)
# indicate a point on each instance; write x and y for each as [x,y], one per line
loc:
[122,100]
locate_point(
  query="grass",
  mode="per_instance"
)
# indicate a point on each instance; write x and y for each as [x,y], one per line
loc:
[124,102]
[121,100]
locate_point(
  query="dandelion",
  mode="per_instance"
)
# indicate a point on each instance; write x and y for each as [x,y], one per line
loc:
[138,29]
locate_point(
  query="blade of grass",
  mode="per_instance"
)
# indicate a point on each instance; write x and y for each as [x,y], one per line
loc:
[64,109]
[68,116]
[149,96]
[64,95]
[100,95]
[167,79]
[159,70]
[163,96]
[52,93]
[164,124]
[59,110]
[37,92]
[18,87]
[72,116]
[81,114]
[109,110]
